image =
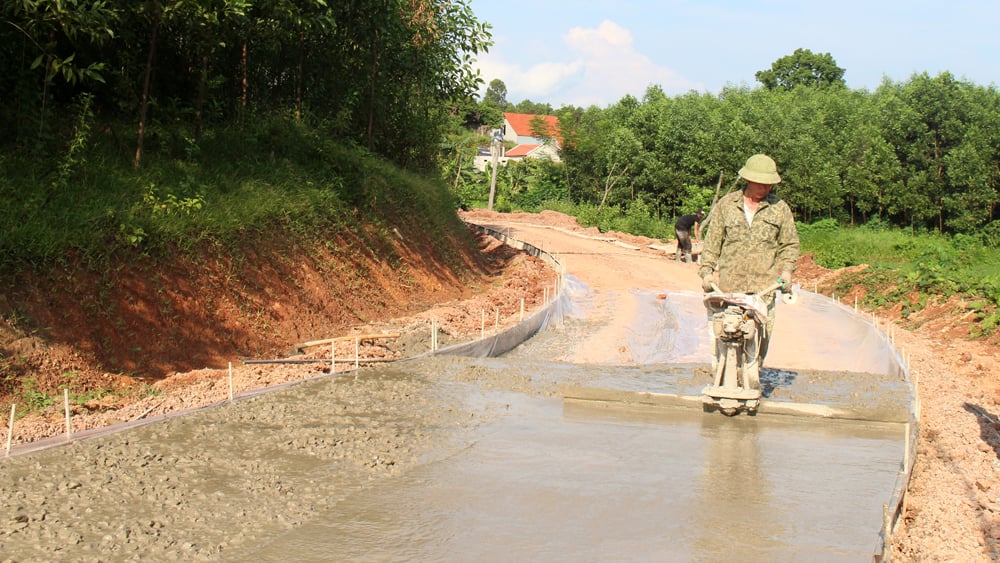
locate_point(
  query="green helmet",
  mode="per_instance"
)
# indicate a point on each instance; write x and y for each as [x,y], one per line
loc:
[760,168]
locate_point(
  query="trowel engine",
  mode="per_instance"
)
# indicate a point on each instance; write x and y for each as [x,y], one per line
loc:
[738,324]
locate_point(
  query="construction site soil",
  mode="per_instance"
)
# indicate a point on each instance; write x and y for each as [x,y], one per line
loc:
[178,328]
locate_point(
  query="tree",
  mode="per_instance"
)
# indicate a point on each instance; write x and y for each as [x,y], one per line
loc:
[535,108]
[52,35]
[496,95]
[494,103]
[802,68]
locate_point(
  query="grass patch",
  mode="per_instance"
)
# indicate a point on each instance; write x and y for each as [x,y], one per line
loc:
[912,269]
[86,200]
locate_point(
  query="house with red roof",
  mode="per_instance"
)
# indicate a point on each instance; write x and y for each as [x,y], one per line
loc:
[534,136]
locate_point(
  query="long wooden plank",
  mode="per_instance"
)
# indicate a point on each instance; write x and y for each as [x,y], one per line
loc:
[302,345]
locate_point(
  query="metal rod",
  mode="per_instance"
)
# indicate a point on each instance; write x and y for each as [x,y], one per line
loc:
[319,360]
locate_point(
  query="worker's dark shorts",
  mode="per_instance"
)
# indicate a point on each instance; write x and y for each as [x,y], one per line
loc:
[683,240]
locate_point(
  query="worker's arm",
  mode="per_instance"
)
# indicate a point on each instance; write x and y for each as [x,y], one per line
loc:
[787,255]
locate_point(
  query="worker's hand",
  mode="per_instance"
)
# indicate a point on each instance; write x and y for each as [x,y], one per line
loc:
[706,284]
[786,282]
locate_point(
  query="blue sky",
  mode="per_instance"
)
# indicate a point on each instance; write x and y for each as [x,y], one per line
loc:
[588,52]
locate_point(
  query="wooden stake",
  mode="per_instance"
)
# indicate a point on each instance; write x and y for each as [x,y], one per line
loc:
[886,524]
[69,427]
[496,323]
[906,450]
[521,318]
[10,427]
[230,382]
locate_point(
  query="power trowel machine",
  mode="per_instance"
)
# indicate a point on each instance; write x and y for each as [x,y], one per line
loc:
[738,323]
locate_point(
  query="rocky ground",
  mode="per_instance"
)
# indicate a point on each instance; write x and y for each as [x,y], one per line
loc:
[952,510]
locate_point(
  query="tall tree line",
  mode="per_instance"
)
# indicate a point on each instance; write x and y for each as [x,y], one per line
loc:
[922,153]
[379,73]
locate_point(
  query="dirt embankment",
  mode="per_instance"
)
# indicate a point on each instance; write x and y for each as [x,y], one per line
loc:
[148,337]
[191,319]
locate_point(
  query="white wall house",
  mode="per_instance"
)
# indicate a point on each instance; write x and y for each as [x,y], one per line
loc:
[517,129]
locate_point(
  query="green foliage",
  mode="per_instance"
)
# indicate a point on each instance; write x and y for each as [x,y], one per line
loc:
[33,397]
[802,68]
[273,172]
[990,235]
[495,98]
[695,197]
[382,74]
[826,242]
[910,269]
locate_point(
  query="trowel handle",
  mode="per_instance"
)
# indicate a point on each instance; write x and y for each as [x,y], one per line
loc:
[769,289]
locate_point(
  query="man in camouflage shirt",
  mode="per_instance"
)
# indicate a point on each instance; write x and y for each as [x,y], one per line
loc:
[752,240]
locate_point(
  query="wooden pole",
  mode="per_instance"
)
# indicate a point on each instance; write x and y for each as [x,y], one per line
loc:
[10,427]
[496,323]
[521,318]
[69,427]
[906,450]
[496,146]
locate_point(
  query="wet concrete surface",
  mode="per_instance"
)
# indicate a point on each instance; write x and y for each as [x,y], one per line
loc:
[457,459]
[549,481]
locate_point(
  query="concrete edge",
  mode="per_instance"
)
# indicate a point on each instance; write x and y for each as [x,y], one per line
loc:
[767,407]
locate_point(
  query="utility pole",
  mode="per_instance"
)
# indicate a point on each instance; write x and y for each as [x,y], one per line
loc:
[495,149]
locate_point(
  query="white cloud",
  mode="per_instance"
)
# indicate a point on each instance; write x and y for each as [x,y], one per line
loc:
[603,68]
[535,83]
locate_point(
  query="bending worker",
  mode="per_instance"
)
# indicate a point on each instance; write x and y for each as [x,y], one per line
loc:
[752,240]
[682,228]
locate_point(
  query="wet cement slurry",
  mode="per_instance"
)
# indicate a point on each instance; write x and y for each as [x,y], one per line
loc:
[554,481]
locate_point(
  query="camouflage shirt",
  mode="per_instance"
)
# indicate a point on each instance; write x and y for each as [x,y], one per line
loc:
[750,257]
